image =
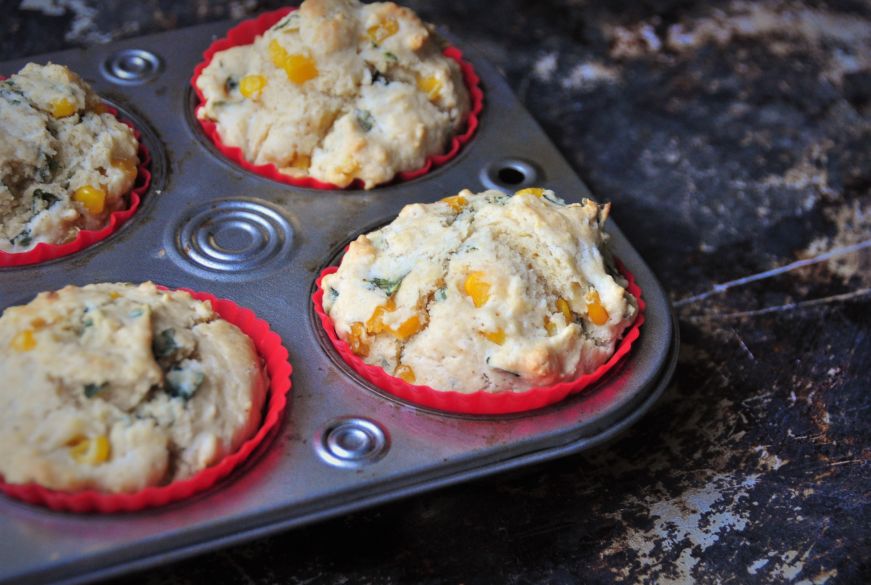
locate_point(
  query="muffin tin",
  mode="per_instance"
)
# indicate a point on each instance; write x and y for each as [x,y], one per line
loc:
[209,225]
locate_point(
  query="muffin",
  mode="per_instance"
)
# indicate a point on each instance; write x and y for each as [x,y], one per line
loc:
[483,292]
[115,387]
[337,91]
[66,163]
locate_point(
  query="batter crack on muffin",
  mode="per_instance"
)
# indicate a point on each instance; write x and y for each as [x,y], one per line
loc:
[483,292]
[116,387]
[338,91]
[65,163]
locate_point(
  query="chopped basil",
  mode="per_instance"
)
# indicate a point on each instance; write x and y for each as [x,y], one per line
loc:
[553,199]
[390,56]
[44,198]
[22,239]
[231,84]
[92,390]
[388,286]
[334,294]
[291,18]
[164,344]
[182,381]
[364,119]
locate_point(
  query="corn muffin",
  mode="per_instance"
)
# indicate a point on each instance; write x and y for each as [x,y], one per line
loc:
[483,292]
[65,163]
[338,91]
[116,387]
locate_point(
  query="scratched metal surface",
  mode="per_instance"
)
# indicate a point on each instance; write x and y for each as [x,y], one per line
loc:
[188,225]
[733,139]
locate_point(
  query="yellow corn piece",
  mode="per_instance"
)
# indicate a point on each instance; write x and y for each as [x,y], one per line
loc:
[406,373]
[301,161]
[383,30]
[595,311]
[477,288]
[375,324]
[23,341]
[408,328]
[90,451]
[497,337]
[430,85]
[251,86]
[563,307]
[356,340]
[299,68]
[93,198]
[62,108]
[128,166]
[457,202]
[549,326]
[38,323]
[537,191]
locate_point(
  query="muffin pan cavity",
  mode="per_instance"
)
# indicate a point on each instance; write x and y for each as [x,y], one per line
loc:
[208,225]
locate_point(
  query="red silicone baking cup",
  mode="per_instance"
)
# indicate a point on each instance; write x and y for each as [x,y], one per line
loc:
[43,252]
[481,402]
[275,358]
[244,34]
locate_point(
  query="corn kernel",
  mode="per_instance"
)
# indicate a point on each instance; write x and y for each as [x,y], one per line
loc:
[430,85]
[298,68]
[62,108]
[93,198]
[38,323]
[90,451]
[251,86]
[23,341]
[301,161]
[497,337]
[383,30]
[114,295]
[563,307]
[477,288]
[127,166]
[408,328]
[595,311]
[356,341]
[375,324]
[457,202]
[406,373]
[549,326]
[537,191]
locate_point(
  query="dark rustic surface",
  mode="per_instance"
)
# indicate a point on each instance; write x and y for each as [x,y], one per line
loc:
[735,143]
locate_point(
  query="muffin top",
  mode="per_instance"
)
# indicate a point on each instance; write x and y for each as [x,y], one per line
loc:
[483,292]
[116,387]
[337,91]
[65,164]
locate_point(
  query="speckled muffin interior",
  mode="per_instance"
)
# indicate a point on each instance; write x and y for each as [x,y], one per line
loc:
[338,91]
[116,387]
[65,162]
[483,292]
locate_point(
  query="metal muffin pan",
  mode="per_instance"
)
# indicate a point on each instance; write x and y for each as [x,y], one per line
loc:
[209,225]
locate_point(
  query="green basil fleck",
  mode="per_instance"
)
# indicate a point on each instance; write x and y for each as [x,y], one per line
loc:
[92,390]
[364,119]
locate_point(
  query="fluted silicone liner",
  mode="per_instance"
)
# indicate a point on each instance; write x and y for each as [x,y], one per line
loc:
[43,252]
[480,402]
[244,34]
[278,368]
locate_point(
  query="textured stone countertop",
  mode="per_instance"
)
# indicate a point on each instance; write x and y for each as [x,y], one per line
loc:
[735,143]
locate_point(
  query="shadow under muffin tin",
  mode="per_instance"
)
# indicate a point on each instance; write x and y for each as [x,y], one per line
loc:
[208,225]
